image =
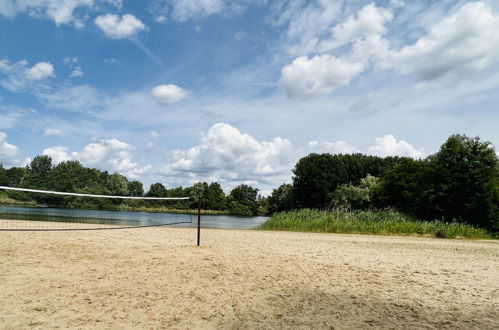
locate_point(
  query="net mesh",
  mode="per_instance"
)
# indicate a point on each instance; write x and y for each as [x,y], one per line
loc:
[78,211]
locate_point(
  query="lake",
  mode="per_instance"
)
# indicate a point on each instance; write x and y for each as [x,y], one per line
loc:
[125,218]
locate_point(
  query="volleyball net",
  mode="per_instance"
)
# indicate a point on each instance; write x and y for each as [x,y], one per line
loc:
[23,209]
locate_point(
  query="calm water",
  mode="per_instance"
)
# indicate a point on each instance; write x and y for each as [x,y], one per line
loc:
[127,218]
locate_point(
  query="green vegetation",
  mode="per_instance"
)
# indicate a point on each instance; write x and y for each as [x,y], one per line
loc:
[368,222]
[71,176]
[459,185]
[5,200]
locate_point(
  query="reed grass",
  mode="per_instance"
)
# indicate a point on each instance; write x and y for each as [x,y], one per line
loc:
[5,200]
[368,222]
[168,210]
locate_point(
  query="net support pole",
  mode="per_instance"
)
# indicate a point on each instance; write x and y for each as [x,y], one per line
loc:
[199,221]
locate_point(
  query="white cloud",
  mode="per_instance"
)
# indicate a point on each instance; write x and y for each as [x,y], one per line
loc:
[224,154]
[73,64]
[463,42]
[83,98]
[336,147]
[8,152]
[19,76]
[77,72]
[388,145]
[160,19]
[370,21]
[117,27]
[57,153]
[185,9]
[107,154]
[40,71]
[460,43]
[306,22]
[169,93]
[323,73]
[111,154]
[60,11]
[53,132]
[318,75]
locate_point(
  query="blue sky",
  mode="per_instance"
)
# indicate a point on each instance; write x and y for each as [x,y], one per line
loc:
[177,91]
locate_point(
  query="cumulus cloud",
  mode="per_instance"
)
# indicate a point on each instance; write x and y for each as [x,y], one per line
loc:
[117,27]
[318,75]
[61,12]
[8,152]
[336,147]
[225,154]
[57,153]
[369,21]
[107,154]
[169,93]
[40,71]
[388,145]
[323,73]
[463,42]
[19,75]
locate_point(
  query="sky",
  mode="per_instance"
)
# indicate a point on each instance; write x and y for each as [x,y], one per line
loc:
[236,91]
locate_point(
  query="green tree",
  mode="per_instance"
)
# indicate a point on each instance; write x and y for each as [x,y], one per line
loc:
[117,184]
[245,196]
[15,176]
[37,173]
[214,197]
[465,172]
[317,176]
[67,176]
[157,190]
[135,188]
[356,197]
[406,187]
[281,199]
[4,179]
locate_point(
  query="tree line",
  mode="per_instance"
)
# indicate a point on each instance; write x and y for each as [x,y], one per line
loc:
[459,183]
[72,176]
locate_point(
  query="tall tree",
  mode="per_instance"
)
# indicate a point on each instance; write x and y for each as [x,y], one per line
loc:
[135,188]
[16,175]
[157,190]
[117,184]
[246,197]
[465,172]
[4,179]
[405,187]
[37,173]
[281,199]
[214,197]
[67,176]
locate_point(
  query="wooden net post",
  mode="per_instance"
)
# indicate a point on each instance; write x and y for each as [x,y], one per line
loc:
[199,221]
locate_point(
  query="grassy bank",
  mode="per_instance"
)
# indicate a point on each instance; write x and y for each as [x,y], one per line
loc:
[368,222]
[169,210]
[5,200]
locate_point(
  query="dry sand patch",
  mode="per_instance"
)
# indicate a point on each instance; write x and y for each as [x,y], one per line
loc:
[158,278]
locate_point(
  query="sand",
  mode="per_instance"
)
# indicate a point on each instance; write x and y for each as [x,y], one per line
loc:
[157,278]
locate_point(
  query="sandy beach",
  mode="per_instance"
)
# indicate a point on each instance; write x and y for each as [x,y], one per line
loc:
[157,278]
